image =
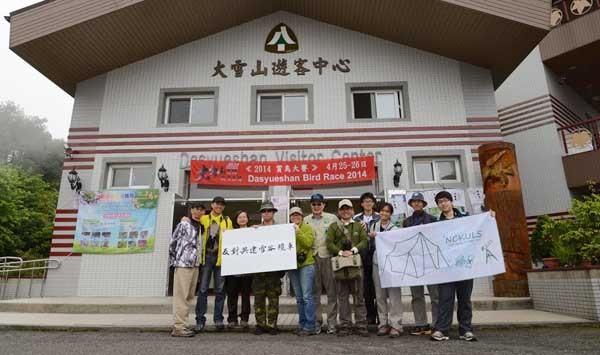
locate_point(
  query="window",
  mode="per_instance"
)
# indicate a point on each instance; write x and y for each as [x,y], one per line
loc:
[121,176]
[437,170]
[190,109]
[282,107]
[377,104]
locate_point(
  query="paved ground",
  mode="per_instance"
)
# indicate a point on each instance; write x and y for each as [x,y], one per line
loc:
[162,322]
[571,340]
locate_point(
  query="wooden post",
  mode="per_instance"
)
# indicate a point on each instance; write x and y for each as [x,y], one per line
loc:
[502,187]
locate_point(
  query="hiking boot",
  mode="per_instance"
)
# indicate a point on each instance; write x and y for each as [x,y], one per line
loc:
[468,336]
[363,332]
[383,330]
[394,333]
[232,325]
[220,327]
[439,336]
[421,330]
[244,324]
[305,333]
[182,333]
[274,331]
[259,330]
[343,332]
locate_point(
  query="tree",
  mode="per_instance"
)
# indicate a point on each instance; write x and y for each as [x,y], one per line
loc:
[26,143]
[27,208]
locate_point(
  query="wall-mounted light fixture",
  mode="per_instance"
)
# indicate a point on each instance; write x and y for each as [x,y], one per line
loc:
[163,178]
[68,151]
[397,173]
[74,180]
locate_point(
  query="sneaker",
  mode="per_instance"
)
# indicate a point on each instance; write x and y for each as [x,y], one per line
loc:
[199,328]
[182,333]
[232,325]
[421,330]
[468,336]
[395,333]
[439,336]
[259,330]
[244,324]
[274,331]
[220,327]
[318,329]
[383,330]
[330,330]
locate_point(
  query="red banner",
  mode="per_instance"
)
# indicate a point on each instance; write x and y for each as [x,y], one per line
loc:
[272,173]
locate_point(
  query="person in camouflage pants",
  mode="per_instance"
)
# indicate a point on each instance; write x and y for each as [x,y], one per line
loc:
[266,286]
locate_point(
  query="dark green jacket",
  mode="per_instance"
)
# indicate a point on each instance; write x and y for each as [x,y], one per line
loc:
[335,236]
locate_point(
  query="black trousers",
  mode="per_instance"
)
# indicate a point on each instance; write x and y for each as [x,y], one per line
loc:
[462,291]
[234,286]
[369,286]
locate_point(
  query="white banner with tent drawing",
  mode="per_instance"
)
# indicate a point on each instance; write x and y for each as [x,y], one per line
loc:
[459,249]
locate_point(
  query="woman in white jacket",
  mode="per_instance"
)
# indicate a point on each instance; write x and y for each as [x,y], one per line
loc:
[390,314]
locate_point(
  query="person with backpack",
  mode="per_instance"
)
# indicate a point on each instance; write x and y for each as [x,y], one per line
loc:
[346,239]
[214,224]
[419,216]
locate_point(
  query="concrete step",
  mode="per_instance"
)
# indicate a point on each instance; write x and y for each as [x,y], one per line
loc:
[163,305]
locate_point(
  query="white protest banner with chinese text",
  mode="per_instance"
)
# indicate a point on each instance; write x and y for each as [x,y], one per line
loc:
[454,250]
[262,249]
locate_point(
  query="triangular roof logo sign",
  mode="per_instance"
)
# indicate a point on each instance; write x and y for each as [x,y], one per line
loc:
[281,39]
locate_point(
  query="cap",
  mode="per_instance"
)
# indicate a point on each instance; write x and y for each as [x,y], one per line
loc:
[317,198]
[296,210]
[443,194]
[218,199]
[417,196]
[345,202]
[267,205]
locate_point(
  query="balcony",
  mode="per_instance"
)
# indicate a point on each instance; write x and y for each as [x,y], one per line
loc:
[572,48]
[581,143]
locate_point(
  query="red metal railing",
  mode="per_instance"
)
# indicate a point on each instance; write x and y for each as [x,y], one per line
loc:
[581,137]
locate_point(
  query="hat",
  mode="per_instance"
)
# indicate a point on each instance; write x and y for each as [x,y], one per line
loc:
[345,202]
[317,198]
[218,199]
[267,205]
[417,196]
[443,194]
[296,210]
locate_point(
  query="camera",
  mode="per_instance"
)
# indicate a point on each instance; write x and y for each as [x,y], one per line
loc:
[301,257]
[346,245]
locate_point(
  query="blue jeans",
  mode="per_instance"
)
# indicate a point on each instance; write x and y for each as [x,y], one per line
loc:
[303,280]
[210,269]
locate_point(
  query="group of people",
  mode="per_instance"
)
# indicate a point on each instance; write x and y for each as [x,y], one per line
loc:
[195,253]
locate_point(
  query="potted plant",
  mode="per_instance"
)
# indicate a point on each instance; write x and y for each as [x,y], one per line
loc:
[541,245]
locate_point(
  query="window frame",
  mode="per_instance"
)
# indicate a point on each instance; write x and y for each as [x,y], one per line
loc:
[168,99]
[401,99]
[436,177]
[283,95]
[398,103]
[130,166]
[165,94]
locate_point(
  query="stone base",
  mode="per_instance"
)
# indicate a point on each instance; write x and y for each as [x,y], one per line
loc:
[511,288]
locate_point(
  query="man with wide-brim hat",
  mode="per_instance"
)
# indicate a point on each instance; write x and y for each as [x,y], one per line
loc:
[266,285]
[417,202]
